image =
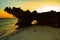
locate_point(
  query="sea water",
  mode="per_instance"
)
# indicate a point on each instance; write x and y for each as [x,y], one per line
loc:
[7,22]
[7,25]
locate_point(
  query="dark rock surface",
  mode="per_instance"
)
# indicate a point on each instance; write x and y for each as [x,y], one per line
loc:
[51,18]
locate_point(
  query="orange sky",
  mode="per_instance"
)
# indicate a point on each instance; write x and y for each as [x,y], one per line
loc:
[30,5]
[4,14]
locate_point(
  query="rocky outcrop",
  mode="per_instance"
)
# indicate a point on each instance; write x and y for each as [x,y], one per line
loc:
[51,18]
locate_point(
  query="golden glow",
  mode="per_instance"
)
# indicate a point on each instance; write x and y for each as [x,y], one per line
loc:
[34,22]
[48,8]
[31,5]
[35,5]
[4,14]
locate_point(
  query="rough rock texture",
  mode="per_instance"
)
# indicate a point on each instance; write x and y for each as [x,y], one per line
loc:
[51,18]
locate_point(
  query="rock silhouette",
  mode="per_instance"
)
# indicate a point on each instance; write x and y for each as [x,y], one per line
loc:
[50,18]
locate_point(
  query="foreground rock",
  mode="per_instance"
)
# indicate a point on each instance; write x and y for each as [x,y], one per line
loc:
[51,18]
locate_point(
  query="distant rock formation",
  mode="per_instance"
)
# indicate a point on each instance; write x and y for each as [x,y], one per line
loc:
[51,18]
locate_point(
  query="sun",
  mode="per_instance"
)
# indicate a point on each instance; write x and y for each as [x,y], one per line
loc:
[48,8]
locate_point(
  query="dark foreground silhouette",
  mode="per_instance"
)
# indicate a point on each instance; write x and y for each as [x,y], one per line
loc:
[51,18]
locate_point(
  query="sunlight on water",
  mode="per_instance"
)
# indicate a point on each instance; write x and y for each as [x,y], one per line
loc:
[7,26]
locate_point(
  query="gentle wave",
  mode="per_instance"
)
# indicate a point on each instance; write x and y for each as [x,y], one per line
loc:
[7,25]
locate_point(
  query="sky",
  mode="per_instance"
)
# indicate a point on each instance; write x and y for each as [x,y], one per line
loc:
[39,5]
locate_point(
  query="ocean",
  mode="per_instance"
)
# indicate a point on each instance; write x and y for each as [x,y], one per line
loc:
[7,22]
[7,26]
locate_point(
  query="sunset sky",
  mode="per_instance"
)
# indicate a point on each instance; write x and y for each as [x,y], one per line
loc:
[39,5]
